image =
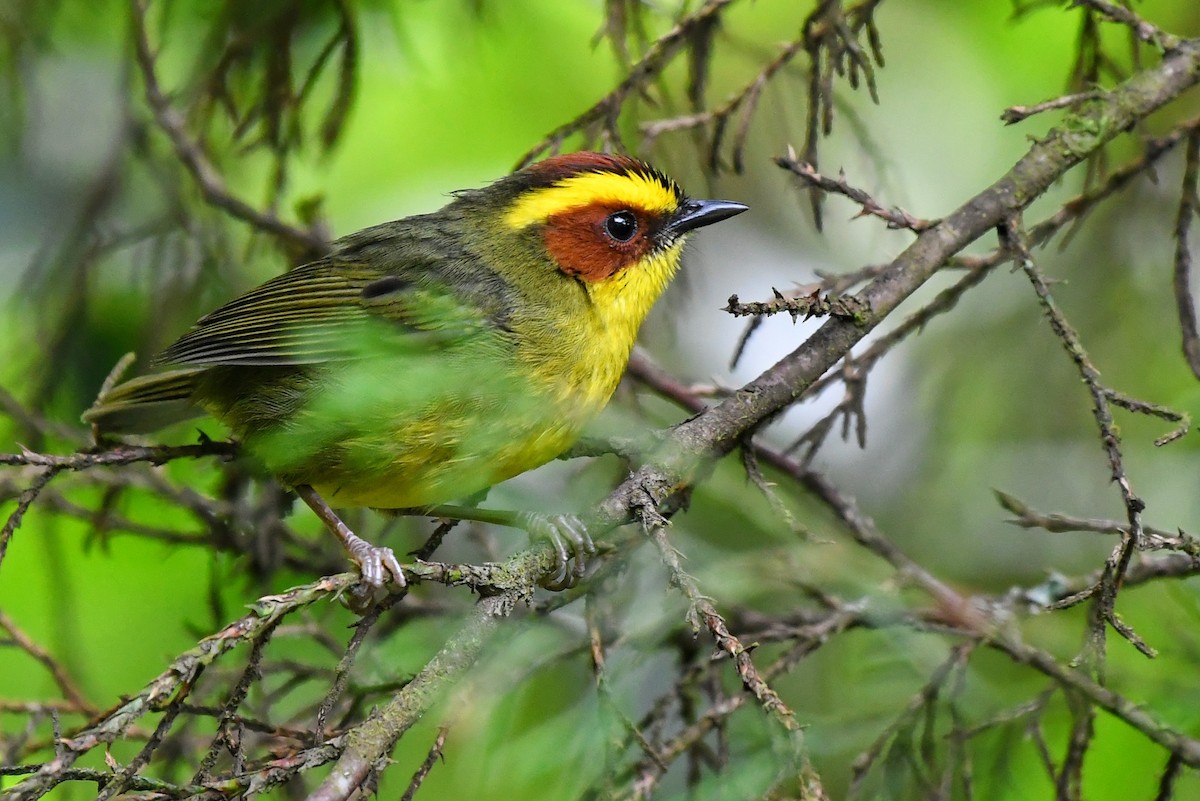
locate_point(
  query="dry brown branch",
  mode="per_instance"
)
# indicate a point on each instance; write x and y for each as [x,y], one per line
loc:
[601,118]
[896,218]
[1118,561]
[208,179]
[1015,114]
[171,685]
[1140,27]
[745,101]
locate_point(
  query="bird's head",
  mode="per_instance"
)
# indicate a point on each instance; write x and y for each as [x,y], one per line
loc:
[613,225]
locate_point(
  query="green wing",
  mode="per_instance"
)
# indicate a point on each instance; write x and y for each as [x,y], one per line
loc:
[322,312]
[325,311]
[386,290]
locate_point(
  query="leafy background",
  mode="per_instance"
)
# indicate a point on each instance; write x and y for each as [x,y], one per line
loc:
[106,248]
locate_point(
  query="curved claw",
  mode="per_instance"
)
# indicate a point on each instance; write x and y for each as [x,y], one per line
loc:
[570,540]
[375,562]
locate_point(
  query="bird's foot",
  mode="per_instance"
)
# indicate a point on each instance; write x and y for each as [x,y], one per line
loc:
[571,542]
[566,533]
[375,562]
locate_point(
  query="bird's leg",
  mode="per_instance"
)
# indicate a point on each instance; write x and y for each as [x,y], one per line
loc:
[372,560]
[566,533]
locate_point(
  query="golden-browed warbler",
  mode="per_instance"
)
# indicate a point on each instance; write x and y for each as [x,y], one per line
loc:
[426,359]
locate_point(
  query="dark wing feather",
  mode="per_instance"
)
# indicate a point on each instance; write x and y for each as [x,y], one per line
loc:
[296,318]
[322,311]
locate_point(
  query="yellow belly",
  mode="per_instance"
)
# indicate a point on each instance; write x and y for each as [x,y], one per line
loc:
[415,470]
[428,438]
[427,429]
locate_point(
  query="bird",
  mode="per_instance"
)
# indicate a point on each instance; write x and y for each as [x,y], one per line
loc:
[423,360]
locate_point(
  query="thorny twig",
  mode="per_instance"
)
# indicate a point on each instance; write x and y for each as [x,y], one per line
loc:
[745,100]
[701,610]
[896,218]
[798,304]
[1118,561]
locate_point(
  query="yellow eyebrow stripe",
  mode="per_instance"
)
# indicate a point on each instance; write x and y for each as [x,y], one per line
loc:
[634,190]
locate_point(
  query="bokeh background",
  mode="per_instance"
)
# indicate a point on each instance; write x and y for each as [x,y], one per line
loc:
[105,248]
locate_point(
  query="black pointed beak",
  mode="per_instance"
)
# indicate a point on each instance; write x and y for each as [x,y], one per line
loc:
[698,213]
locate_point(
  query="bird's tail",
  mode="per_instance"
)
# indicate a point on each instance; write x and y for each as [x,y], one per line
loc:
[146,403]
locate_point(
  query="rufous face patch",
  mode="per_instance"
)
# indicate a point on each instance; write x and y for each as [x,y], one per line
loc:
[596,241]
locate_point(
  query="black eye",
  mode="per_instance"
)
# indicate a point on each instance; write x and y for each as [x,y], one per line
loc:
[621,225]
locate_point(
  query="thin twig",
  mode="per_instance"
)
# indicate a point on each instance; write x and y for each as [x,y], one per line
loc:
[66,685]
[606,109]
[703,612]
[122,455]
[361,629]
[1189,206]
[1014,114]
[181,672]
[26,499]
[1118,561]
[372,740]
[121,780]
[212,186]
[896,218]
[236,696]
[435,753]
[1155,539]
[746,100]
[923,700]
[1140,27]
